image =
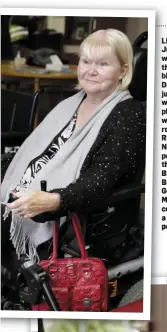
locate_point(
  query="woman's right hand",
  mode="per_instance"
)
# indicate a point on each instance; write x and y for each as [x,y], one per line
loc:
[32,203]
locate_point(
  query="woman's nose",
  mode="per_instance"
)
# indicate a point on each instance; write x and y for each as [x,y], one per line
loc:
[92,69]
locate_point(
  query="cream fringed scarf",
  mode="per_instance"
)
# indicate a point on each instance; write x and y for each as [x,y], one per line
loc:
[60,171]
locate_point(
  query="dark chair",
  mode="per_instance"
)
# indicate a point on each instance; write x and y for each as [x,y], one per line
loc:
[18,113]
[138,86]
[17,117]
[49,96]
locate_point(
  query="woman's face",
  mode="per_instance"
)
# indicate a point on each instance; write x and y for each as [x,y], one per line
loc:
[100,75]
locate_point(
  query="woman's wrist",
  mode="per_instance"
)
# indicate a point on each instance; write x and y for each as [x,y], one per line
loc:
[55,202]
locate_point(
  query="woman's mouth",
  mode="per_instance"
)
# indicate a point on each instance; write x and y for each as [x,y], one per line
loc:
[91,81]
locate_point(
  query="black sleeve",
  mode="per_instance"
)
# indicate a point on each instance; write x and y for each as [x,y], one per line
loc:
[117,157]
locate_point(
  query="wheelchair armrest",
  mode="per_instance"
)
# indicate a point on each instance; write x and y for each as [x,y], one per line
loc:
[123,194]
[126,193]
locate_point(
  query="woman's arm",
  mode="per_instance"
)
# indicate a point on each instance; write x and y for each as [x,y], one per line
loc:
[118,158]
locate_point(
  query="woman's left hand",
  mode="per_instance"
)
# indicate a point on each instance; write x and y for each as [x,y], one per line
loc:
[31,203]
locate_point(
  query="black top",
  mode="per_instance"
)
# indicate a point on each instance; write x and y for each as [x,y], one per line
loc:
[112,162]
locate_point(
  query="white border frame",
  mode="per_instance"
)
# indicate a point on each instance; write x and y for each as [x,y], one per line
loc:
[150,14]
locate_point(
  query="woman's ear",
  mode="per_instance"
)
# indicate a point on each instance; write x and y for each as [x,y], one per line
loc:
[124,70]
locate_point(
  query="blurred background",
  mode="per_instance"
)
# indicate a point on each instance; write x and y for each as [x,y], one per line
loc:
[37,51]
[62,34]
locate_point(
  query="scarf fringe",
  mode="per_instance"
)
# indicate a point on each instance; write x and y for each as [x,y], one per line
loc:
[19,239]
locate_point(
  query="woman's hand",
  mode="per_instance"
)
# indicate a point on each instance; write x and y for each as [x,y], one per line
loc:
[30,204]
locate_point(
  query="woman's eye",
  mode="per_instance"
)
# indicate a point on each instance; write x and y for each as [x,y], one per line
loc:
[103,64]
[85,61]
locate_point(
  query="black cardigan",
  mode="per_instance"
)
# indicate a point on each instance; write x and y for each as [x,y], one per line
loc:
[112,162]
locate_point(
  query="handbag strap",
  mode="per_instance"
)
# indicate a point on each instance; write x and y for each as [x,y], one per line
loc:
[79,235]
[78,232]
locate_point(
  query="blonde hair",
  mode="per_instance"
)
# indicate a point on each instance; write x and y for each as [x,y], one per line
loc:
[106,41]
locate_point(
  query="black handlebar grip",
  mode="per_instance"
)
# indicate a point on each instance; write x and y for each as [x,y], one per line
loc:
[43,185]
[12,196]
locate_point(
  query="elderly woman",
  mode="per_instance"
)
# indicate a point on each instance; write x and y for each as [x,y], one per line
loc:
[87,147]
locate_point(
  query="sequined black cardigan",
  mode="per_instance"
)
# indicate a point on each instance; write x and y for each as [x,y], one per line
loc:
[112,161]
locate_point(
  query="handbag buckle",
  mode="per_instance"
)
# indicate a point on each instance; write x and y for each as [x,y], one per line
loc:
[87,302]
[87,270]
[70,269]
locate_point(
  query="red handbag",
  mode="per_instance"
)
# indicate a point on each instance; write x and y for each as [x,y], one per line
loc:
[79,284]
